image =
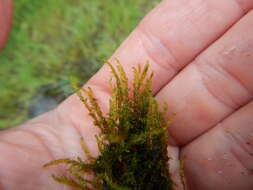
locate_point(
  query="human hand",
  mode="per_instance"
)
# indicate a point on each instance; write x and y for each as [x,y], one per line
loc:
[201,53]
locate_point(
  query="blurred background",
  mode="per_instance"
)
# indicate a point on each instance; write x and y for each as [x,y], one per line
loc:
[52,40]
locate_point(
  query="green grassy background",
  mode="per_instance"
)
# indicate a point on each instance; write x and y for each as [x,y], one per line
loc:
[52,40]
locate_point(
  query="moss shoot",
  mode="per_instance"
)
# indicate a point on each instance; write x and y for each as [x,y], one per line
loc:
[132,141]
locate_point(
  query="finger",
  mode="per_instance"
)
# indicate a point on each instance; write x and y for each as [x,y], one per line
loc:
[173,34]
[217,83]
[223,157]
[5,20]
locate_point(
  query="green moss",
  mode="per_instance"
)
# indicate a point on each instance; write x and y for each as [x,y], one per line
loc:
[132,141]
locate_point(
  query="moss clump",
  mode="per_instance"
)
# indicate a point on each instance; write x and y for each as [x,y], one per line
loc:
[132,141]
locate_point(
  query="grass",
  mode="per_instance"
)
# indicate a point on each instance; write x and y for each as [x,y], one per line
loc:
[52,40]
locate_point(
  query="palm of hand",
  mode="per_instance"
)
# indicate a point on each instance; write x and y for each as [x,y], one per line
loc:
[210,90]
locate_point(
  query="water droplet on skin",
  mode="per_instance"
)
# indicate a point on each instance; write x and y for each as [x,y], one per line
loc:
[219,172]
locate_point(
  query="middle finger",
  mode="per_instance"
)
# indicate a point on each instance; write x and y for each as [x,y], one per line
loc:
[214,85]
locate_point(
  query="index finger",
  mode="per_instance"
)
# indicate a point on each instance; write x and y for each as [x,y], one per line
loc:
[173,34]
